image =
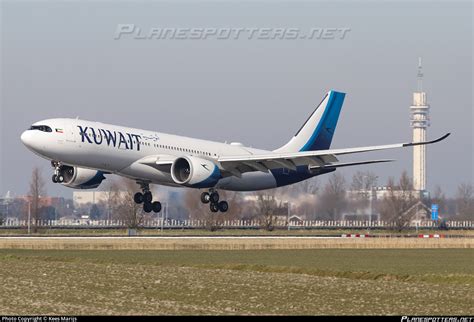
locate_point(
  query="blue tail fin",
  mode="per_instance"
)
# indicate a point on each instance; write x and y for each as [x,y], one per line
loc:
[318,130]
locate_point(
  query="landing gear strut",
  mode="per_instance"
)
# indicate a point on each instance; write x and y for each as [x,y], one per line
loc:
[212,197]
[58,176]
[146,198]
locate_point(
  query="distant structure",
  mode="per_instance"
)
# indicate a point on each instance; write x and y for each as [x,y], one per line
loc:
[81,198]
[420,120]
[5,203]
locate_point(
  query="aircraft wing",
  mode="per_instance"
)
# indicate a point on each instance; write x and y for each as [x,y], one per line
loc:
[237,165]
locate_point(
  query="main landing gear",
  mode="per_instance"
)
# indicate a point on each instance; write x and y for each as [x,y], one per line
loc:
[212,197]
[146,198]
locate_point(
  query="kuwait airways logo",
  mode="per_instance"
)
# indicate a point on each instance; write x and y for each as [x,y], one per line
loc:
[116,139]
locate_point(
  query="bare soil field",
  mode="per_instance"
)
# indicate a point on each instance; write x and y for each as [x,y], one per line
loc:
[316,281]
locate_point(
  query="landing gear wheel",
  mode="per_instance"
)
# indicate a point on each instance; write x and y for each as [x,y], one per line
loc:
[214,207]
[147,207]
[156,206]
[205,197]
[138,198]
[147,197]
[223,206]
[214,197]
[58,175]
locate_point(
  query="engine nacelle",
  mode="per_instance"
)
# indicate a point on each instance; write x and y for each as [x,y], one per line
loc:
[81,178]
[195,172]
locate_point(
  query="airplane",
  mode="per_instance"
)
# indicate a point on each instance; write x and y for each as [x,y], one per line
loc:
[82,152]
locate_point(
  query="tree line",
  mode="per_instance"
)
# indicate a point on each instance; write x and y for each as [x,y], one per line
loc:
[309,199]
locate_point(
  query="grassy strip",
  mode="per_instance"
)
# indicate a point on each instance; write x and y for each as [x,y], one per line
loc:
[229,232]
[430,266]
[464,279]
[230,243]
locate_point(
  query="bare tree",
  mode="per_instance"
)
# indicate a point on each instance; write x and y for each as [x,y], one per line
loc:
[125,207]
[111,195]
[200,211]
[361,189]
[308,188]
[333,198]
[306,207]
[302,196]
[236,204]
[213,220]
[36,192]
[268,208]
[363,180]
[465,201]
[400,199]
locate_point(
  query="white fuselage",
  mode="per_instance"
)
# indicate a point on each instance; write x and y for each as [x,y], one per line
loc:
[90,149]
[117,149]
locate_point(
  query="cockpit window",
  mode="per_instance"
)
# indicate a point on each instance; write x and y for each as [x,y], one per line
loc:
[42,128]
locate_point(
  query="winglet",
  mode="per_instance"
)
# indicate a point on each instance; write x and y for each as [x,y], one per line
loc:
[427,142]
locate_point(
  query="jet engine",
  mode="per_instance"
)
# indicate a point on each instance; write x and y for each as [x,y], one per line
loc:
[81,178]
[195,172]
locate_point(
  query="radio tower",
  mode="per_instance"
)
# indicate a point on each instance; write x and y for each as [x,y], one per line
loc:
[420,120]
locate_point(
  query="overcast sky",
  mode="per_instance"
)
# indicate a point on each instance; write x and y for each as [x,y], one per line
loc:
[60,59]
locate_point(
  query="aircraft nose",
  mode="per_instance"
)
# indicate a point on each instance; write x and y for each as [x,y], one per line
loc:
[27,138]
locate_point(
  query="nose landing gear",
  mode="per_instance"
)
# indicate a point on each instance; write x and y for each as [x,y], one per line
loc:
[58,176]
[212,197]
[146,198]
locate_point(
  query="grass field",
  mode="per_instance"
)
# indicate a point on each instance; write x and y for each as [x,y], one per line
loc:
[317,281]
[231,232]
[227,243]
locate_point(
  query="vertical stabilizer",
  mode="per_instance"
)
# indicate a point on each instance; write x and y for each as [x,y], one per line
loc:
[318,130]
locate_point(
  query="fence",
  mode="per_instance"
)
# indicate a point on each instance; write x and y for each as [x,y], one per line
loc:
[231,224]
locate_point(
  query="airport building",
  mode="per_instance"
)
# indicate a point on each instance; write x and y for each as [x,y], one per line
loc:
[82,197]
[5,204]
[89,197]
